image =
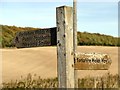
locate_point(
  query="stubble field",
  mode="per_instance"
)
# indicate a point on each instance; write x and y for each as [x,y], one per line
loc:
[42,61]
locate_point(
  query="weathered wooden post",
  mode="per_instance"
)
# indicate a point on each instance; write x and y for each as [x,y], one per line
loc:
[75,37]
[65,56]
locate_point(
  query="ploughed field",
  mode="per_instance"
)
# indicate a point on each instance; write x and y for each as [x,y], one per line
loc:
[42,61]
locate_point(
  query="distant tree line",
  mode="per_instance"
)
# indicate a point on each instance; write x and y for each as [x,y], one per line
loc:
[7,34]
[85,38]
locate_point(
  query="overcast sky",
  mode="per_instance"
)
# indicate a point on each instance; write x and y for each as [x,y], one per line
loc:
[95,16]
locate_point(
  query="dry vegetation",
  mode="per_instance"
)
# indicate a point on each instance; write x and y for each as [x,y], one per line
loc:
[106,81]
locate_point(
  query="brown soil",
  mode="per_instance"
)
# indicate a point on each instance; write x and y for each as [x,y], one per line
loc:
[43,62]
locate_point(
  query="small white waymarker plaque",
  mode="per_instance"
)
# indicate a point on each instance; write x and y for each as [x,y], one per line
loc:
[92,61]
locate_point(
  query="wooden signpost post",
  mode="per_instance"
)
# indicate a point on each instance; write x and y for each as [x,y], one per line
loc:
[65,37]
[65,54]
[75,38]
[69,60]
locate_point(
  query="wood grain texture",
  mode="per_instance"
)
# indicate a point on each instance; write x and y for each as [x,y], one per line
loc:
[92,61]
[65,47]
[75,37]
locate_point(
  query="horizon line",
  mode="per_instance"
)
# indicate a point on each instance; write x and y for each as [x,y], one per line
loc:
[55,27]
